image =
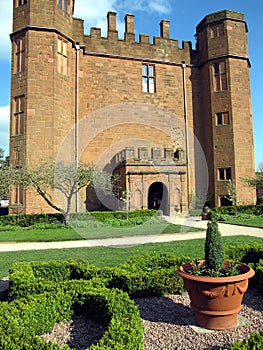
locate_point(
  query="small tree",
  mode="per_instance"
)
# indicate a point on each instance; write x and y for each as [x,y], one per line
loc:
[257,180]
[214,251]
[68,179]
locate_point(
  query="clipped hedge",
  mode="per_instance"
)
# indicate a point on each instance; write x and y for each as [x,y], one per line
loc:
[22,320]
[253,342]
[26,220]
[148,275]
[219,212]
[153,274]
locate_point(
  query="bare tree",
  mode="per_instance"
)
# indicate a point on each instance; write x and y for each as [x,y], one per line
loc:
[68,179]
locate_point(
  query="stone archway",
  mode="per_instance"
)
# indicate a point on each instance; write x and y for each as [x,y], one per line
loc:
[158,197]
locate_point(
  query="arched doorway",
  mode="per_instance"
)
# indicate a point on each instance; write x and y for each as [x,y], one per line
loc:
[225,201]
[158,197]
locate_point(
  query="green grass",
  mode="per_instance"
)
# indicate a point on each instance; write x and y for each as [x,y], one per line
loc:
[252,221]
[110,256]
[65,234]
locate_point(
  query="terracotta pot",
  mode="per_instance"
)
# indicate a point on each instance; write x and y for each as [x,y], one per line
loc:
[216,301]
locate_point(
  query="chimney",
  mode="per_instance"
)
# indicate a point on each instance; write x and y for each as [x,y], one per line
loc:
[165,29]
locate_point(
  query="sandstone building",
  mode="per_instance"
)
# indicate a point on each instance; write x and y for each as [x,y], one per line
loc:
[173,121]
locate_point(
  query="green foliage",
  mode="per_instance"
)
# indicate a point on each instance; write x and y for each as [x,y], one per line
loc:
[23,319]
[253,342]
[237,211]
[56,219]
[214,251]
[148,275]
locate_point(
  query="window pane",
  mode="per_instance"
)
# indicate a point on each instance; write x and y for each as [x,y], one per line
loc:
[64,48]
[144,70]
[228,174]
[151,71]
[226,118]
[59,45]
[221,174]
[219,119]
[144,84]
[60,4]
[151,85]
[65,5]
[223,81]
[216,68]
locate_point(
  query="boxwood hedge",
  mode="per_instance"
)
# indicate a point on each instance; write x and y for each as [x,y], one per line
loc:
[56,290]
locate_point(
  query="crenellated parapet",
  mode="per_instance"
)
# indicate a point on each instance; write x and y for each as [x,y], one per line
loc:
[162,47]
[149,156]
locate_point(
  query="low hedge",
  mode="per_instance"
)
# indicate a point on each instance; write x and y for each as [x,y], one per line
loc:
[148,275]
[219,212]
[253,342]
[23,320]
[26,220]
[140,276]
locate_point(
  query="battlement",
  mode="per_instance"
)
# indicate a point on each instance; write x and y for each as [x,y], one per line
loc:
[149,156]
[219,16]
[161,48]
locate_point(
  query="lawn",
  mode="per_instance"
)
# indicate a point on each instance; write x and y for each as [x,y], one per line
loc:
[65,234]
[110,256]
[254,221]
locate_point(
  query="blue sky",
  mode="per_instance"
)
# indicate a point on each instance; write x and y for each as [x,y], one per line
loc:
[183,17]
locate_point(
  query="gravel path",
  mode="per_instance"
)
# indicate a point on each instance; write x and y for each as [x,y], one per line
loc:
[166,321]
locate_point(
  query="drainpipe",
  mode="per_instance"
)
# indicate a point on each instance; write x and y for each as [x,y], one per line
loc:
[76,155]
[186,132]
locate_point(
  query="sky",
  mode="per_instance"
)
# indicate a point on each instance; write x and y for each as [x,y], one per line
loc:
[183,17]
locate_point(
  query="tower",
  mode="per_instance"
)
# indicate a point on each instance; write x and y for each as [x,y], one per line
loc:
[225,122]
[40,78]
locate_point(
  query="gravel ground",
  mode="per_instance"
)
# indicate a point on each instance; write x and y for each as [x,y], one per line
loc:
[167,321]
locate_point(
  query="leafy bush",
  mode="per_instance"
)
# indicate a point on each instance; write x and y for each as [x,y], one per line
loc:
[26,220]
[214,251]
[148,275]
[9,228]
[253,342]
[23,319]
[220,212]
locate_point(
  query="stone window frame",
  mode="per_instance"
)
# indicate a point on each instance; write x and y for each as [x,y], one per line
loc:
[63,5]
[18,122]
[217,30]
[148,78]
[19,195]
[224,174]
[20,3]
[222,118]
[62,56]
[220,76]
[20,54]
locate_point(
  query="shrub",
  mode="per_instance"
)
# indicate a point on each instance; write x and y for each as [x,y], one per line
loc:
[148,275]
[220,212]
[23,319]
[214,251]
[253,342]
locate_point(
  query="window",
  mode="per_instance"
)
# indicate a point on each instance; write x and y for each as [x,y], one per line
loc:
[21,2]
[20,55]
[224,174]
[222,118]
[148,78]
[18,124]
[18,195]
[63,4]
[62,56]
[220,82]
[217,30]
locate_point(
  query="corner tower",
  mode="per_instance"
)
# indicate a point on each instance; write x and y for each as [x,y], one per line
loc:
[43,57]
[225,104]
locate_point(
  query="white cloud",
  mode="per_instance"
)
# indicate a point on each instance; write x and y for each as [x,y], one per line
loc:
[96,16]
[5,28]
[4,128]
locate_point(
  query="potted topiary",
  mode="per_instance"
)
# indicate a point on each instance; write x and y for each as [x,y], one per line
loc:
[216,287]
